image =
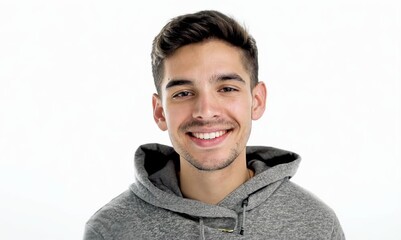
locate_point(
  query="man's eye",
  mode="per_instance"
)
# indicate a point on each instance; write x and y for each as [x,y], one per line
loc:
[182,94]
[228,89]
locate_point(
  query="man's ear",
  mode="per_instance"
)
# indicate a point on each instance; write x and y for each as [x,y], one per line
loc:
[259,94]
[158,112]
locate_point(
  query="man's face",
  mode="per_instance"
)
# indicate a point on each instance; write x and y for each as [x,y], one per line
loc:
[207,104]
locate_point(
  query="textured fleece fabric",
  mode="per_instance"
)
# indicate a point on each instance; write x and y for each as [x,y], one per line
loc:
[268,206]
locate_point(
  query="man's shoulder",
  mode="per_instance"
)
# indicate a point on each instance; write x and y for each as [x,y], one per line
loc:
[297,197]
[124,209]
[292,209]
[297,208]
[117,205]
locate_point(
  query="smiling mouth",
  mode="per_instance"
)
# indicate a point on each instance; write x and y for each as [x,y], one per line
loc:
[209,135]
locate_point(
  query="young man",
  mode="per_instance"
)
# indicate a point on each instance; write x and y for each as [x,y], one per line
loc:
[210,185]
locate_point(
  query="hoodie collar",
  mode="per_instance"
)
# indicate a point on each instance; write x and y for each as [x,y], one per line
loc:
[156,179]
[157,184]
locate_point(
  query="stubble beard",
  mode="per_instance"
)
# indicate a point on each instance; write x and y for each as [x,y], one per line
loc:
[218,164]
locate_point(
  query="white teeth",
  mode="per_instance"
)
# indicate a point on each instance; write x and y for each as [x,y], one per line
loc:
[210,135]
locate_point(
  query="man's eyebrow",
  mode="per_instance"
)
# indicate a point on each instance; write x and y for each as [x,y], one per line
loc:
[214,78]
[178,82]
[227,77]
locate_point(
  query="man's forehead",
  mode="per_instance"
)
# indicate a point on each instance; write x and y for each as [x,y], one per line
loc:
[210,60]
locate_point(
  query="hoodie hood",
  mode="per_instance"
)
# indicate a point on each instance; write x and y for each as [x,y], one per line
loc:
[156,183]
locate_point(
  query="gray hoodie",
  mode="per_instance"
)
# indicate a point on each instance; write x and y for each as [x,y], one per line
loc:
[268,206]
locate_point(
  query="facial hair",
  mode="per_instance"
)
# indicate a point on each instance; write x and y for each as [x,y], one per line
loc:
[218,163]
[197,163]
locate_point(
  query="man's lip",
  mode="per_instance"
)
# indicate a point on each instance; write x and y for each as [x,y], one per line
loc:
[208,135]
[208,139]
[207,130]
[194,131]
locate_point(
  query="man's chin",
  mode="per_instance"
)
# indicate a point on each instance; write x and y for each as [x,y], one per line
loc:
[212,164]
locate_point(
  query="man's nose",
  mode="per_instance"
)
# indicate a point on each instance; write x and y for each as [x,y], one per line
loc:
[206,107]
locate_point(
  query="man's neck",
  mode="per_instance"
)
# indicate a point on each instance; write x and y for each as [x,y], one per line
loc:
[212,186]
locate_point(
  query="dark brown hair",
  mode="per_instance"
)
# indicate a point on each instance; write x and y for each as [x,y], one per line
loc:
[197,27]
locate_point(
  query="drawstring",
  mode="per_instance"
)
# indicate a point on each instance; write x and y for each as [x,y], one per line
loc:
[202,229]
[244,205]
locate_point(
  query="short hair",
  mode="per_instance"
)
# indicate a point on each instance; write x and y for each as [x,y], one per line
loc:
[197,27]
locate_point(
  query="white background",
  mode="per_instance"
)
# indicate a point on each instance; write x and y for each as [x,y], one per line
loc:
[75,103]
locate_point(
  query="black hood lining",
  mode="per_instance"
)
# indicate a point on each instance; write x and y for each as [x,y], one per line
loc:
[157,156]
